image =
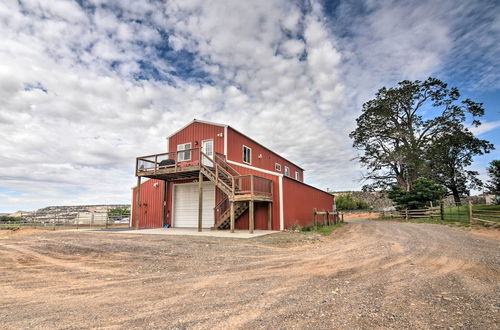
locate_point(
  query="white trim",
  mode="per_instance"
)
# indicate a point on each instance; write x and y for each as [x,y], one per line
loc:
[254,168]
[196,121]
[225,141]
[287,169]
[297,175]
[282,218]
[243,150]
[131,209]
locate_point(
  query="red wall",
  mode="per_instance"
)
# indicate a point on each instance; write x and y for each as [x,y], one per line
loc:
[198,132]
[235,142]
[300,199]
[151,204]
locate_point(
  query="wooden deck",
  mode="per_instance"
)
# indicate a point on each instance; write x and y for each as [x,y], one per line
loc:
[170,173]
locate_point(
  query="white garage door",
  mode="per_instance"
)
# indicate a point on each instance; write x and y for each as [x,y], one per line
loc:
[186,205]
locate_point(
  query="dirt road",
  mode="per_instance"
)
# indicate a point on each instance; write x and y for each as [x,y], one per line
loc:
[368,274]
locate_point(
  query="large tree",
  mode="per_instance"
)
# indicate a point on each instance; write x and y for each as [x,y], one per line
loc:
[493,184]
[448,157]
[396,129]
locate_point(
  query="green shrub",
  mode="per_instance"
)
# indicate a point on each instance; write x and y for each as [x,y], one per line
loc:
[6,218]
[347,202]
[422,192]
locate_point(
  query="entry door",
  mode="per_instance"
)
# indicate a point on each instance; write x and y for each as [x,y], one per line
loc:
[207,146]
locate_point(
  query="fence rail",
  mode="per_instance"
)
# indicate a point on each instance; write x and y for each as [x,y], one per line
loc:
[488,217]
[467,214]
[75,220]
[327,218]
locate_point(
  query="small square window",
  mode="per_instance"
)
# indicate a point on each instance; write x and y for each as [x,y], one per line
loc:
[277,167]
[247,155]
[287,171]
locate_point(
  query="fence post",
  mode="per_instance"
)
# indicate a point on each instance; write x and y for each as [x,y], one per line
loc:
[406,214]
[469,206]
[54,220]
[107,217]
[431,210]
[91,219]
[441,210]
[77,219]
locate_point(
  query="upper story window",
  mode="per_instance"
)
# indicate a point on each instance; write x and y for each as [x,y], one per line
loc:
[297,175]
[277,167]
[183,156]
[287,171]
[247,155]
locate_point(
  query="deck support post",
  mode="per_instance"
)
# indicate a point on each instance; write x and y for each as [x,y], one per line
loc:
[200,201]
[232,216]
[269,216]
[164,204]
[138,203]
[251,220]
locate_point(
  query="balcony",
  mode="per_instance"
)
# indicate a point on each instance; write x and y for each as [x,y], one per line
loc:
[187,164]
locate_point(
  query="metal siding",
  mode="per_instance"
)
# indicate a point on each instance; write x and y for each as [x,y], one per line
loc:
[268,160]
[299,200]
[151,204]
[198,132]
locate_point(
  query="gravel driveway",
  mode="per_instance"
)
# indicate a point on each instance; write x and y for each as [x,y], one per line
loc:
[368,274]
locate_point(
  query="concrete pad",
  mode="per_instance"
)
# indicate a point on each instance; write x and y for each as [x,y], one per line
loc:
[185,232]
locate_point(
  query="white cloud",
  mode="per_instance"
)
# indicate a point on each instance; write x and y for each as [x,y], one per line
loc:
[486,126]
[75,110]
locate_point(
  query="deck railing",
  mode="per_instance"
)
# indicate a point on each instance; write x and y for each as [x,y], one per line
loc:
[254,185]
[168,160]
[222,173]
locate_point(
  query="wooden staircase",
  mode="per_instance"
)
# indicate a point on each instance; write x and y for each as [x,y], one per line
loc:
[237,188]
[224,220]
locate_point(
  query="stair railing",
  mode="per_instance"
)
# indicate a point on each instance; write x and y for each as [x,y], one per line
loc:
[221,209]
[220,174]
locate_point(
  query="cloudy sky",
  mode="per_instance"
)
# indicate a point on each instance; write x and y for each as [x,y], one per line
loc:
[88,85]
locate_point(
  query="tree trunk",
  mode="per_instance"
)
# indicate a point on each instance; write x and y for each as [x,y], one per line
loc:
[456,196]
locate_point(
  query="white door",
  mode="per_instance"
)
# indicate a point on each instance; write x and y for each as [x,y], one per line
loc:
[186,205]
[207,147]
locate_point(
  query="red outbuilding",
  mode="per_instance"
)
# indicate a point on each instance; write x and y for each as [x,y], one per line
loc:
[212,176]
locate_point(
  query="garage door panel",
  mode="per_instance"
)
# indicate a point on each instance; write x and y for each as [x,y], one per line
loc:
[186,205]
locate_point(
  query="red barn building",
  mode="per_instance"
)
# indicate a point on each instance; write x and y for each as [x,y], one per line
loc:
[241,184]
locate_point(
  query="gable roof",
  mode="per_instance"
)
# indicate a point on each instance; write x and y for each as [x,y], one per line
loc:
[222,125]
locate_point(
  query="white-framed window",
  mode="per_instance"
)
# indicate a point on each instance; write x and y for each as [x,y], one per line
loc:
[277,167]
[287,171]
[183,156]
[297,175]
[247,155]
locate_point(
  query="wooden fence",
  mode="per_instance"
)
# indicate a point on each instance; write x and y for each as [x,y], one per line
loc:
[483,216]
[429,212]
[327,218]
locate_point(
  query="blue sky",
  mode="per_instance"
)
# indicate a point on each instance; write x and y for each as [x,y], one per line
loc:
[88,85]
